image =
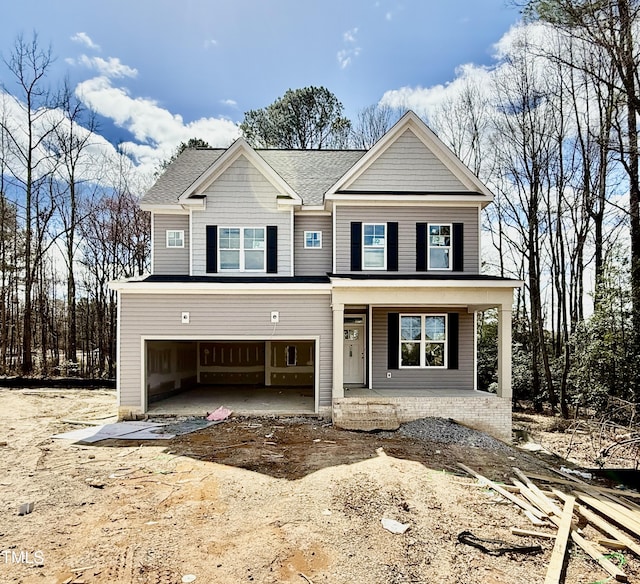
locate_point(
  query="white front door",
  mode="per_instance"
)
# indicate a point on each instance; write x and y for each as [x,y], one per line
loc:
[353,352]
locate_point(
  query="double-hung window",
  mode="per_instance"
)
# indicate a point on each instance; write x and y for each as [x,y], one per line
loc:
[439,246]
[423,340]
[241,249]
[374,246]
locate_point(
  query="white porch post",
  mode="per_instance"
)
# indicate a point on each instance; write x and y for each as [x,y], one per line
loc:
[504,352]
[338,350]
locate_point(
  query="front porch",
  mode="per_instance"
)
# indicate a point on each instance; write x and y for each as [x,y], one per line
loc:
[386,409]
[409,372]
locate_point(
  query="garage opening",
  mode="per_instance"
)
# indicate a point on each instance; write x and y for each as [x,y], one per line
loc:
[252,376]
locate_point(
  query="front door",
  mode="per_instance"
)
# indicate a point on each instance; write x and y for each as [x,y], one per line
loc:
[353,350]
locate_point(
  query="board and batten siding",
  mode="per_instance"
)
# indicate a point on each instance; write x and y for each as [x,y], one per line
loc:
[241,197]
[313,262]
[416,378]
[407,217]
[219,316]
[407,165]
[170,261]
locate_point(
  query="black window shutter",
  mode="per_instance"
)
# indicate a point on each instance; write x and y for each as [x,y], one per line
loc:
[356,246]
[421,247]
[212,249]
[453,339]
[393,340]
[392,246]
[458,247]
[272,249]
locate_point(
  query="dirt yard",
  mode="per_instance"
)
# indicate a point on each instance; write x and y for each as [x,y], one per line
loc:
[256,500]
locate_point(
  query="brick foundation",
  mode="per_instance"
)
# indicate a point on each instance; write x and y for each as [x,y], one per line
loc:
[489,414]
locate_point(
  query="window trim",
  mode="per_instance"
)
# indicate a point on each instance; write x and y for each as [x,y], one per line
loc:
[365,247]
[423,341]
[449,247]
[242,250]
[319,239]
[170,231]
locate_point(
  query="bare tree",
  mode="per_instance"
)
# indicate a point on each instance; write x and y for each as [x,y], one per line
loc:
[25,133]
[372,123]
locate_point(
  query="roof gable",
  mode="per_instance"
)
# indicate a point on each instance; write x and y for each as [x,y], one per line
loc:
[410,159]
[239,148]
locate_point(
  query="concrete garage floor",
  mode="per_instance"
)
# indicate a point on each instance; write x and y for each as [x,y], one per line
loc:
[240,399]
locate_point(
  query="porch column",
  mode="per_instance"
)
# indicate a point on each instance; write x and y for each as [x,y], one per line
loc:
[338,350]
[504,352]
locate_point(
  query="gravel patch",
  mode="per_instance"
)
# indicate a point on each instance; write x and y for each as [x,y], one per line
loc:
[449,432]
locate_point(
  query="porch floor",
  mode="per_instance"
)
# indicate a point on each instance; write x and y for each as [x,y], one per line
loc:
[365,392]
[240,399]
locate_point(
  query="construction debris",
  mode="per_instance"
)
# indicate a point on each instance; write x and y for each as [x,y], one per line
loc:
[25,509]
[496,547]
[394,526]
[611,514]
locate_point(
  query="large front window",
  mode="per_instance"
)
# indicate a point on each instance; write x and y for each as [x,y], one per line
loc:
[439,247]
[423,340]
[242,249]
[374,256]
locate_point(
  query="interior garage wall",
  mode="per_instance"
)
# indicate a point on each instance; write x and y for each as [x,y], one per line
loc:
[213,316]
[171,367]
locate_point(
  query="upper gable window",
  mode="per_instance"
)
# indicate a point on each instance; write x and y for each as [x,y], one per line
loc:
[439,246]
[241,249]
[175,238]
[313,239]
[374,246]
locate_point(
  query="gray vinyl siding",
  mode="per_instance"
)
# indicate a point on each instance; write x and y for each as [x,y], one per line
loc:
[144,315]
[407,217]
[241,197]
[313,262]
[170,261]
[407,165]
[401,379]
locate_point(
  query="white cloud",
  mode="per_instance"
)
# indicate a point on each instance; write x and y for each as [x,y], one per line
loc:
[229,102]
[85,39]
[210,43]
[345,56]
[157,131]
[350,35]
[111,67]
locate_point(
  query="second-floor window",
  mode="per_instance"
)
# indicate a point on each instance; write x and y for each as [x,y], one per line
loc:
[439,246]
[241,249]
[313,239]
[175,238]
[374,246]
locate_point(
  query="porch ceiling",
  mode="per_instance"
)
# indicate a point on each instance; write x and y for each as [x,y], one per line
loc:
[473,295]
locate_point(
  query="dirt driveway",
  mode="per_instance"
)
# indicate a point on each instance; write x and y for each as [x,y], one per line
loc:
[251,500]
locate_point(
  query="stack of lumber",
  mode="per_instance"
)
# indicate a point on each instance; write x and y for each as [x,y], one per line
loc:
[613,513]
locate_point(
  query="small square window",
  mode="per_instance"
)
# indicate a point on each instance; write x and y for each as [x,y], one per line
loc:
[313,239]
[175,238]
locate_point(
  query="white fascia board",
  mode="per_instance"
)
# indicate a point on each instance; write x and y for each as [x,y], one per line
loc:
[313,210]
[164,208]
[218,288]
[338,282]
[411,200]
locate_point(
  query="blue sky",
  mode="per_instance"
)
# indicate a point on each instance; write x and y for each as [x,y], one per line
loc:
[159,71]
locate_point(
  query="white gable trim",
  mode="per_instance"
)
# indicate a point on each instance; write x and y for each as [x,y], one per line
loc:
[410,121]
[240,148]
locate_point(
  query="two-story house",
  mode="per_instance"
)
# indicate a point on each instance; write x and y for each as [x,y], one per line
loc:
[344,283]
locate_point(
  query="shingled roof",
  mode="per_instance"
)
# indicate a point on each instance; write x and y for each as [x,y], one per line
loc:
[310,173]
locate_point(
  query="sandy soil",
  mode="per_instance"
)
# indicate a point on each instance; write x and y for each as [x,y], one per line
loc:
[264,501]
